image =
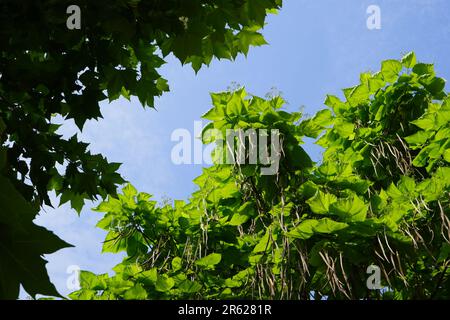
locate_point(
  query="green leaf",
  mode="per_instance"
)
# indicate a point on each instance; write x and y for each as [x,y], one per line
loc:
[446,155]
[129,191]
[264,244]
[344,129]
[335,103]
[112,205]
[249,38]
[164,283]
[376,82]
[407,185]
[351,209]
[83,295]
[238,219]
[418,139]
[22,245]
[308,189]
[190,287]
[409,60]
[89,280]
[327,225]
[313,127]
[209,260]
[308,228]
[426,122]
[137,292]
[304,230]
[177,264]
[435,85]
[149,277]
[424,69]
[358,95]
[444,253]
[422,158]
[114,242]
[321,202]
[390,70]
[214,114]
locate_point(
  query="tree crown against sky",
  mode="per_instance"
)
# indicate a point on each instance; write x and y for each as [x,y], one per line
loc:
[47,70]
[378,201]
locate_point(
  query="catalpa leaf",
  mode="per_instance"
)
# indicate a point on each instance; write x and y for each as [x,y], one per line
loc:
[308,228]
[351,209]
[390,70]
[137,292]
[321,202]
[164,283]
[209,260]
[409,60]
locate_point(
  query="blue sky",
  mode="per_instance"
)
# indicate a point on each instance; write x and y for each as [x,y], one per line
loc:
[315,48]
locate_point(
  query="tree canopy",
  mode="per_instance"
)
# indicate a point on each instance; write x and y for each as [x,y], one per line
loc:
[48,70]
[379,197]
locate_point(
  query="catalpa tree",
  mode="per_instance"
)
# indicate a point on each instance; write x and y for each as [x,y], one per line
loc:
[378,200]
[48,70]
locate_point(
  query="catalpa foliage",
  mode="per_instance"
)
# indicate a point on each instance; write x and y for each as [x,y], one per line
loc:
[380,196]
